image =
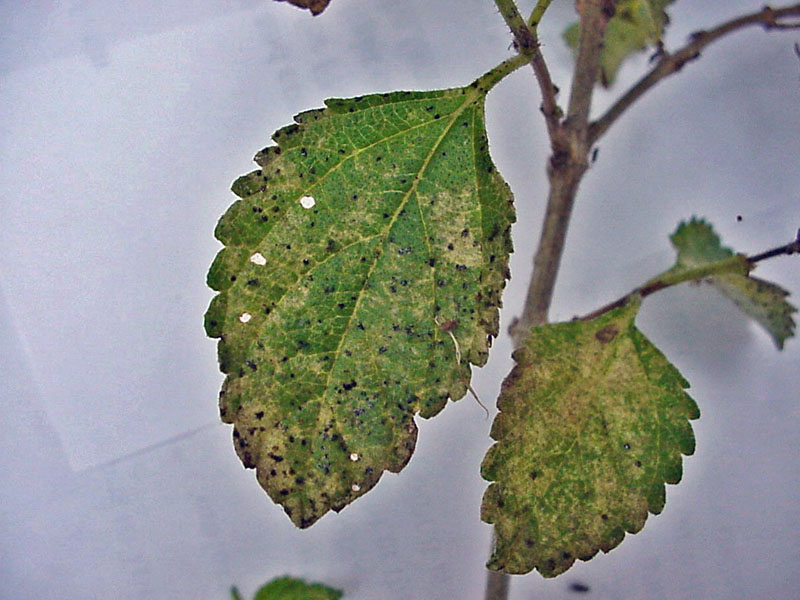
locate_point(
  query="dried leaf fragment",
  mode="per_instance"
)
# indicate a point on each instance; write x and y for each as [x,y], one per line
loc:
[315,6]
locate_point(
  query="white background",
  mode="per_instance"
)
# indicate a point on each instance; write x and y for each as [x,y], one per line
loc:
[123,125]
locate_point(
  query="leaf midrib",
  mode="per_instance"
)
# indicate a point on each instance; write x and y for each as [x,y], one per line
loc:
[468,100]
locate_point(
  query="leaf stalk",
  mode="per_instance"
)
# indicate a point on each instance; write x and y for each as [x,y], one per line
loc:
[492,77]
[538,13]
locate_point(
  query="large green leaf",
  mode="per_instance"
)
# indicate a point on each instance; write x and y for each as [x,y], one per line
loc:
[636,25]
[593,421]
[375,229]
[287,588]
[697,245]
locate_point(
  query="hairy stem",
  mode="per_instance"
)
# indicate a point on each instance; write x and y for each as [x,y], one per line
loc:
[526,42]
[538,12]
[524,37]
[489,79]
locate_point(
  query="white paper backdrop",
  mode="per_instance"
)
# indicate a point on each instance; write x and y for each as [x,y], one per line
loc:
[123,126]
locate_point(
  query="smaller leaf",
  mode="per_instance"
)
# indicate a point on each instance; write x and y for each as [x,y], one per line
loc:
[315,6]
[698,245]
[288,588]
[636,25]
[593,421]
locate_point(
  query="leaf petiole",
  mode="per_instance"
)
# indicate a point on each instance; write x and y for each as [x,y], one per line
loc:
[538,13]
[492,77]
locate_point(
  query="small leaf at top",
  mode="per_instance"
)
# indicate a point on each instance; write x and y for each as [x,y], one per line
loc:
[372,222]
[593,421]
[636,25]
[698,245]
[315,6]
[287,588]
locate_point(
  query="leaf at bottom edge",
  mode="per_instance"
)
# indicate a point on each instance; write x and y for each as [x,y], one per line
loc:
[288,588]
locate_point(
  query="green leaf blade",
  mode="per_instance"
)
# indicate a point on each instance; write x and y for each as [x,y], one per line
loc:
[373,221]
[593,422]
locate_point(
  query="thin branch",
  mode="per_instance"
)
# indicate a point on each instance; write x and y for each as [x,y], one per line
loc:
[788,249]
[664,281]
[567,165]
[538,13]
[526,42]
[594,19]
[669,63]
[524,38]
[549,107]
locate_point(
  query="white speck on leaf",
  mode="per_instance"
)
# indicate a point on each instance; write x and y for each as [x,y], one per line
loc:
[258,259]
[307,202]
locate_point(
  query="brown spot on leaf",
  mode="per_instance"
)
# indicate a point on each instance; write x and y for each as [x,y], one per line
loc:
[607,333]
[449,325]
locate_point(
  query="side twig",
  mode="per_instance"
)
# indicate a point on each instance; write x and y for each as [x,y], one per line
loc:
[568,163]
[659,284]
[788,249]
[526,42]
[669,63]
